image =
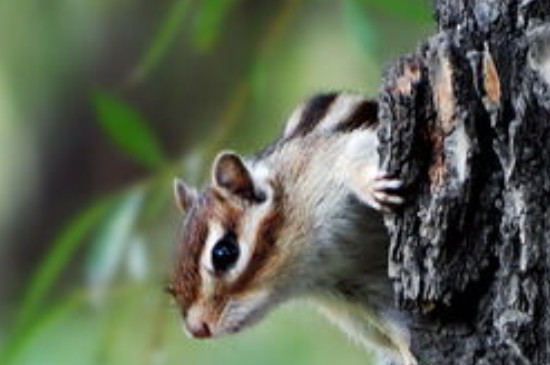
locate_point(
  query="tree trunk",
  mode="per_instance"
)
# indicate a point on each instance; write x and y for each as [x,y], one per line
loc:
[467,126]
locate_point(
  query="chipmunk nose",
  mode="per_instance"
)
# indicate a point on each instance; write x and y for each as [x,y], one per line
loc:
[195,324]
[201,330]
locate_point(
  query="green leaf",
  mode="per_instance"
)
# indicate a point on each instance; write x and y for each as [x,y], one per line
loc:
[208,22]
[137,259]
[416,10]
[62,250]
[127,129]
[359,25]
[110,242]
[164,38]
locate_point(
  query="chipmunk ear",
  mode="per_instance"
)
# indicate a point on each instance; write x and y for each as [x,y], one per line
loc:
[231,175]
[184,195]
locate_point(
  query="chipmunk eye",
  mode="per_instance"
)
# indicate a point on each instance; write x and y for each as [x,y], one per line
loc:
[225,253]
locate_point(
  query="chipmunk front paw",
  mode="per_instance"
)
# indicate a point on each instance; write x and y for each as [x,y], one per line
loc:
[382,192]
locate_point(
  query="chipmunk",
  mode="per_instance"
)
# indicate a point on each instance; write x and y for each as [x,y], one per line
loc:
[295,221]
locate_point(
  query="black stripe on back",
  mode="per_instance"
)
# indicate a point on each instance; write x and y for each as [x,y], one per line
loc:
[364,115]
[314,111]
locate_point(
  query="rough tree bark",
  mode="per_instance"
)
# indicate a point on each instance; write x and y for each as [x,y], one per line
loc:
[467,125]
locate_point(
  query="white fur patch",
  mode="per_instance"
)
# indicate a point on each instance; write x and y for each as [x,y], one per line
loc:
[294,120]
[360,162]
[215,232]
[194,319]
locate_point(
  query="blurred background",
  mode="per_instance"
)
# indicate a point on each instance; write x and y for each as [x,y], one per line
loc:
[102,102]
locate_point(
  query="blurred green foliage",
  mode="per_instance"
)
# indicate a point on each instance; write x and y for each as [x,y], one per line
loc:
[127,129]
[114,312]
[208,22]
[164,38]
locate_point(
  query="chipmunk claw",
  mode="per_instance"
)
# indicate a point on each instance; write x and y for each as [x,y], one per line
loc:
[381,191]
[386,193]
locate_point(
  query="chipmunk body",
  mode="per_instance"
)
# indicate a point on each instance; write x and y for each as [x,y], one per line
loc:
[295,221]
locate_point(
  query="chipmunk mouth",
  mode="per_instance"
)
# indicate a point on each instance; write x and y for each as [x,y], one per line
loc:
[206,331]
[239,315]
[236,325]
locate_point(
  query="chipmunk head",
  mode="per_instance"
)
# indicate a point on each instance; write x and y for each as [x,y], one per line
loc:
[228,273]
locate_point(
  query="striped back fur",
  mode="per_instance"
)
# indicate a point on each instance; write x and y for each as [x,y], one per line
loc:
[332,112]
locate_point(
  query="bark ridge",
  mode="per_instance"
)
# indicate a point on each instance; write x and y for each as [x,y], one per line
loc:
[467,125]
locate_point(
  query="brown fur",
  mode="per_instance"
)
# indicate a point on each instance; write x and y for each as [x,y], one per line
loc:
[186,282]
